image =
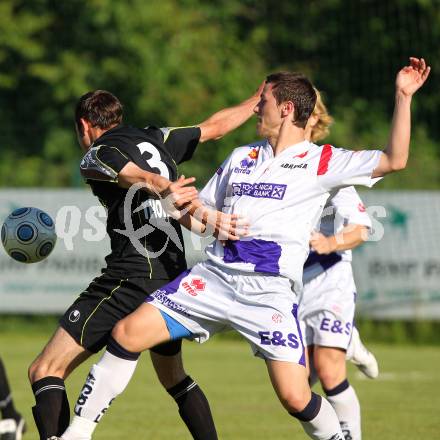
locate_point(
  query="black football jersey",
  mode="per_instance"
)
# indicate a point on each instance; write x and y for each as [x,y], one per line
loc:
[144,240]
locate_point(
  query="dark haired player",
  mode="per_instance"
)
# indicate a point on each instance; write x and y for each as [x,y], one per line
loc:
[118,156]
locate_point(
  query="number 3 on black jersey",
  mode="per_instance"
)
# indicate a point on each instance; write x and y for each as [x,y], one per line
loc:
[155,160]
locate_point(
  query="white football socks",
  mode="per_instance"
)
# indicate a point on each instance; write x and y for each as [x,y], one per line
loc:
[325,425]
[79,429]
[107,379]
[319,419]
[348,410]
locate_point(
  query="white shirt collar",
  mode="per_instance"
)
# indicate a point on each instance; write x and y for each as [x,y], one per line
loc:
[298,148]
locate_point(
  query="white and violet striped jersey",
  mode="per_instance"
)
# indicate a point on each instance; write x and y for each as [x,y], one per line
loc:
[283,198]
[344,207]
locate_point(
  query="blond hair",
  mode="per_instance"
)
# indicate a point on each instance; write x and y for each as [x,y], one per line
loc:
[322,128]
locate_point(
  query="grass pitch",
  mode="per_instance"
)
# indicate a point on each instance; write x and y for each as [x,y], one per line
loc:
[403,403]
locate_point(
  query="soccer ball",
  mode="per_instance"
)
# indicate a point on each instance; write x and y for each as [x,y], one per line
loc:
[28,235]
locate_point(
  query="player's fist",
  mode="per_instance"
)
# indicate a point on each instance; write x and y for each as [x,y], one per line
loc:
[412,77]
[322,244]
[179,194]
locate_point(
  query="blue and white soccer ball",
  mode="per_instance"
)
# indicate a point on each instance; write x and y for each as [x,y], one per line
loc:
[28,235]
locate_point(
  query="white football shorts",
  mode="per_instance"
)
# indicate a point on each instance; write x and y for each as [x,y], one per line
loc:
[209,299]
[327,305]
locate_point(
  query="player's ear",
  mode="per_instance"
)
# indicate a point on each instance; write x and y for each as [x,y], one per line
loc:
[84,126]
[287,108]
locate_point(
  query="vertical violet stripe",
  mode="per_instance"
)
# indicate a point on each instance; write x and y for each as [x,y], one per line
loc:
[302,360]
[173,287]
[265,255]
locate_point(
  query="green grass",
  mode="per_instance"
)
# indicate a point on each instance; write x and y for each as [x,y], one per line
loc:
[402,404]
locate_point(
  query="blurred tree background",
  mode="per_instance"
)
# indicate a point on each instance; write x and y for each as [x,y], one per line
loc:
[174,62]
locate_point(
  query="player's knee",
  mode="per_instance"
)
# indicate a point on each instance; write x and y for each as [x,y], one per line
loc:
[295,400]
[32,372]
[331,377]
[330,367]
[122,333]
[41,368]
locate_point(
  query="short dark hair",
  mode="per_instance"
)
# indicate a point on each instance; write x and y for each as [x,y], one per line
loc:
[101,108]
[295,87]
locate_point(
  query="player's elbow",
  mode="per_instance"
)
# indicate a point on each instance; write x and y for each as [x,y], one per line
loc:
[397,162]
[398,165]
[390,165]
[210,131]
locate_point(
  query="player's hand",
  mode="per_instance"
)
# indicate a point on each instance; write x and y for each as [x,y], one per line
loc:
[225,226]
[259,91]
[322,244]
[177,195]
[412,77]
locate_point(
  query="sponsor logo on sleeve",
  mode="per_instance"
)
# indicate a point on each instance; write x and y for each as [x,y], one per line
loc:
[245,166]
[253,154]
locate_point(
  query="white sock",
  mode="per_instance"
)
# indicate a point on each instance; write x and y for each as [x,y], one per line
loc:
[79,429]
[348,410]
[106,380]
[324,425]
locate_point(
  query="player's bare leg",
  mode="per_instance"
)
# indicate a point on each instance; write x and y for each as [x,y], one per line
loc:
[310,366]
[314,413]
[139,331]
[330,366]
[193,405]
[47,373]
[61,355]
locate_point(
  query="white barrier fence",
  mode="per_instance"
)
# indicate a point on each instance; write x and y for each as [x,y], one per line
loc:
[397,276]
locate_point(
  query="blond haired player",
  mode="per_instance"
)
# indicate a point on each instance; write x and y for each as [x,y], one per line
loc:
[327,303]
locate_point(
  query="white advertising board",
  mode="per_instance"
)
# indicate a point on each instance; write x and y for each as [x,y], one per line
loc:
[397,274]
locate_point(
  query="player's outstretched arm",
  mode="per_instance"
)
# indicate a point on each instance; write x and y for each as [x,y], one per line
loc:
[408,81]
[208,222]
[109,164]
[177,194]
[217,224]
[228,119]
[349,238]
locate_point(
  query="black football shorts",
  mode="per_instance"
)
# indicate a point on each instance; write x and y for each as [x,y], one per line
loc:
[91,318]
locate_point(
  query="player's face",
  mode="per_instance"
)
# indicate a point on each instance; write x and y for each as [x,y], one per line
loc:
[268,113]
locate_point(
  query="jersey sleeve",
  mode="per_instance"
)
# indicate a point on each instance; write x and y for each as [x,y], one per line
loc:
[349,206]
[215,191]
[103,163]
[339,168]
[181,142]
